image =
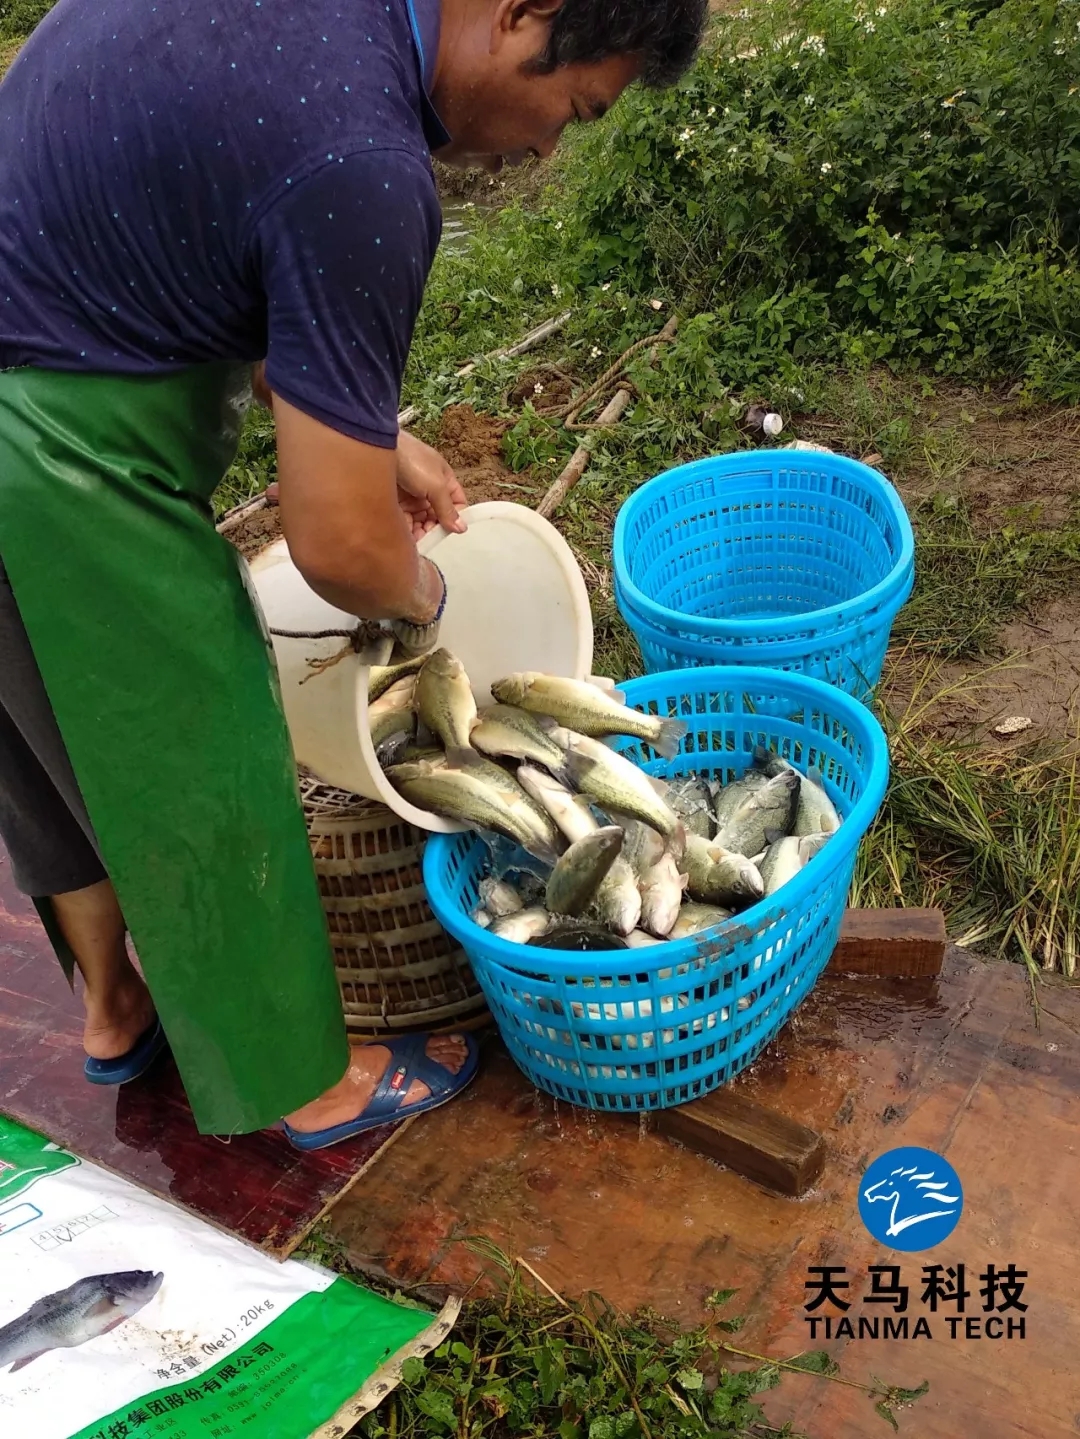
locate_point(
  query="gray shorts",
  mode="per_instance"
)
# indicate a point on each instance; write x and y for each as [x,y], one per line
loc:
[43,821]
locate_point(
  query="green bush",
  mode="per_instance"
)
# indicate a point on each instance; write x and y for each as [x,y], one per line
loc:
[18,17]
[906,175]
[892,182]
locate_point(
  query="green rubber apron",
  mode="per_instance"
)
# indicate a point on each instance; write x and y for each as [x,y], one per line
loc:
[160,674]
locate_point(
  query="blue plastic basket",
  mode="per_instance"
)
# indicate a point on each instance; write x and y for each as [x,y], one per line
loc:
[786,559]
[649,1028]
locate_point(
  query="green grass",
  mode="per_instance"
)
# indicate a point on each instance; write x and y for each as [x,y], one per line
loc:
[991,838]
[525,1363]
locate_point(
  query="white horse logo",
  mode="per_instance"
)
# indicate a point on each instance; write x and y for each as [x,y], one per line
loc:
[920,1188]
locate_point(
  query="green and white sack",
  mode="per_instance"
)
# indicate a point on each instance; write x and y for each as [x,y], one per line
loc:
[122,1317]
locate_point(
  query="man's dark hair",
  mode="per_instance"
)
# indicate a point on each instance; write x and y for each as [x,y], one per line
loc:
[665,34]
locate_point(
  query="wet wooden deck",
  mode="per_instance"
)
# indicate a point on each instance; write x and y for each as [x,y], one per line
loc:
[595,1202]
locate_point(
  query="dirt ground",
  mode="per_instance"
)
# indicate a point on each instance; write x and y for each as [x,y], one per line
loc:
[472,443]
[256,531]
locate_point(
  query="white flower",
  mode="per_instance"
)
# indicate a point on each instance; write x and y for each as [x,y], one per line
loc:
[606,285]
[558,224]
[927,135]
[555,291]
[826,168]
[869,26]
[795,64]
[882,10]
[815,43]
[711,111]
[686,134]
[595,352]
[1003,113]
[538,388]
[733,149]
[809,100]
[742,14]
[951,100]
[909,259]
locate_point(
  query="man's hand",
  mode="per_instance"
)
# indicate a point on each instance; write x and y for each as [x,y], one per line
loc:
[428,489]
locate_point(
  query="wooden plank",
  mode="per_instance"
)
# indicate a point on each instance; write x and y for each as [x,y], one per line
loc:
[893,943]
[756,1142]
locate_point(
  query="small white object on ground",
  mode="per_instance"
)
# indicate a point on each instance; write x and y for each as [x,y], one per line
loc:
[1015,724]
[772,424]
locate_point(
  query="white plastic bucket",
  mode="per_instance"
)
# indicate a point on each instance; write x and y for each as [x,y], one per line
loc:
[516,600]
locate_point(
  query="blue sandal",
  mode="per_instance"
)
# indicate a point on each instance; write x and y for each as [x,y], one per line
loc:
[387,1105]
[128,1066]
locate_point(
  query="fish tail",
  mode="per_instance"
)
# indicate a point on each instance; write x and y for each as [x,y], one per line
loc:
[462,757]
[672,733]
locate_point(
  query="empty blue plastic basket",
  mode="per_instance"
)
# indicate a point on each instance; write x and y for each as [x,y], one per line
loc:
[787,559]
[649,1028]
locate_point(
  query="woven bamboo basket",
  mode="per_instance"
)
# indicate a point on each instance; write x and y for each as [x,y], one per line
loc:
[397,968]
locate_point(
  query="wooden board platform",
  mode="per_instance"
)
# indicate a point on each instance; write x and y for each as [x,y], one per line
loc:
[903,943]
[256,1186]
[598,1202]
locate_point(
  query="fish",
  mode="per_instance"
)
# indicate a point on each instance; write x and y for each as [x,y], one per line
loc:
[73,1316]
[786,856]
[482,918]
[771,806]
[393,714]
[816,813]
[661,891]
[579,872]
[638,939]
[444,701]
[570,812]
[414,751]
[382,677]
[499,897]
[521,927]
[642,847]
[507,730]
[392,750]
[693,918]
[617,905]
[615,783]
[473,796]
[588,710]
[719,876]
[691,800]
[727,798]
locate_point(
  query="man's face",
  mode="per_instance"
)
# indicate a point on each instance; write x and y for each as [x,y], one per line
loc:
[496,106]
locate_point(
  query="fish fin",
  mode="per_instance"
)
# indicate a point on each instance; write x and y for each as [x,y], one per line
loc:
[26,1359]
[658,785]
[774,836]
[676,845]
[672,734]
[462,757]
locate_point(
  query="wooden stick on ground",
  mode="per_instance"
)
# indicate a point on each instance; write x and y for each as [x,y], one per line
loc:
[575,468]
[527,342]
[609,415]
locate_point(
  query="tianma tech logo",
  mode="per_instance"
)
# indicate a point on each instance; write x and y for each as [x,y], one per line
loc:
[911,1199]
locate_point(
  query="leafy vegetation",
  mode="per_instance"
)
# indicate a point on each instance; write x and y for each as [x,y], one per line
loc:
[525,1363]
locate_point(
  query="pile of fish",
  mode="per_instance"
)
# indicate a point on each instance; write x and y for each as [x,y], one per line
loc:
[597,847]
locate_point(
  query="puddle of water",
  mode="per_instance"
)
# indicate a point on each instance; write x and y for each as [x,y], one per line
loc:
[459,221]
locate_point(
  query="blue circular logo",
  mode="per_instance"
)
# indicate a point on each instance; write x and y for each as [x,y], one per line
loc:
[911,1199]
